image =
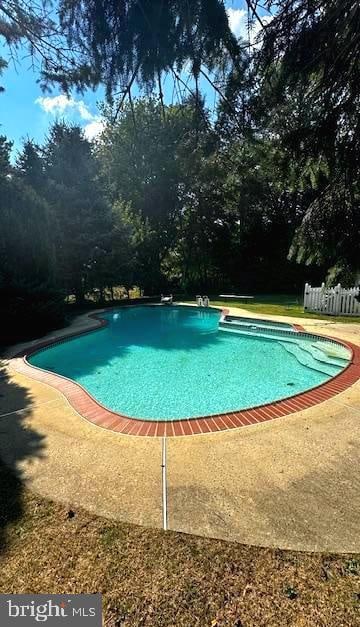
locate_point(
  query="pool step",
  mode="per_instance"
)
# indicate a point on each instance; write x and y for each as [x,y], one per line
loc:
[255,326]
[269,334]
[305,358]
[321,356]
[250,329]
[333,351]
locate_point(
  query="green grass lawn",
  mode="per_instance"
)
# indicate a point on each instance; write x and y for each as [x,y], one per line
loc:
[280,305]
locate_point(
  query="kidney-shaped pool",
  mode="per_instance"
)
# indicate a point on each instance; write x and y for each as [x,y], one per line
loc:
[167,363]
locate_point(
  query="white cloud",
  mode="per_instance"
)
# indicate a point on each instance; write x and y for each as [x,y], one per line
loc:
[94,128]
[61,104]
[70,107]
[238,22]
[83,110]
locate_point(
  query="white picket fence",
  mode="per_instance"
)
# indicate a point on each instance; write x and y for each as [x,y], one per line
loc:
[332,300]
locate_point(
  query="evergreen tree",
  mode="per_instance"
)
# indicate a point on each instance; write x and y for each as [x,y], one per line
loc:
[30,166]
[123,41]
[29,301]
[33,26]
[309,69]
[81,212]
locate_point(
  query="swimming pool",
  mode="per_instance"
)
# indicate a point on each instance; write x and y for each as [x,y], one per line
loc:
[245,321]
[168,363]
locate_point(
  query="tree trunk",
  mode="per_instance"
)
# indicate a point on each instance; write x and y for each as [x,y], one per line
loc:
[79,293]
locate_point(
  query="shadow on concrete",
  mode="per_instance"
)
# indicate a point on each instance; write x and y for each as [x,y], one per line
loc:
[318,511]
[18,442]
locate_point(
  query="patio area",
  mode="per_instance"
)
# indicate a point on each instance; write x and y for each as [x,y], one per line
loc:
[292,482]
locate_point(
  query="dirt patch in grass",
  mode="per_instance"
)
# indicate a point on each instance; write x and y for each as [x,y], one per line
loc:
[154,578]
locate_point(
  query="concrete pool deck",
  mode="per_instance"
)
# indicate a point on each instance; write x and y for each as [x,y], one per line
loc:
[293,482]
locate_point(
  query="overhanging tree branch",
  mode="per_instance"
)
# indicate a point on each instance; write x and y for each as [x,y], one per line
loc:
[127,91]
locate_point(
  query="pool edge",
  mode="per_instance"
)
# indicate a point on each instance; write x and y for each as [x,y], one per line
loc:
[94,412]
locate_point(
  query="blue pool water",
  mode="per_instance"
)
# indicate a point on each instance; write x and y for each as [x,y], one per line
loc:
[264,323]
[174,362]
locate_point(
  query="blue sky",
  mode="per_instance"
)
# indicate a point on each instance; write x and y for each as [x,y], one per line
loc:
[25,111]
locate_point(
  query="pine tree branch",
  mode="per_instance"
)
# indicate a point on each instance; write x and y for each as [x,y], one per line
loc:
[133,112]
[161,95]
[252,8]
[227,102]
[127,91]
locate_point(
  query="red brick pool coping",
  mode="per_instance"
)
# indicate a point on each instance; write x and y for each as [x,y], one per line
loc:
[90,409]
